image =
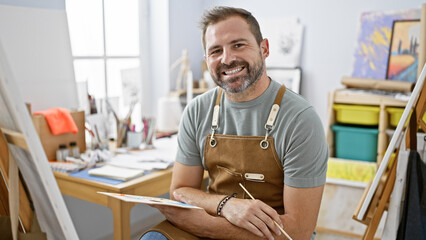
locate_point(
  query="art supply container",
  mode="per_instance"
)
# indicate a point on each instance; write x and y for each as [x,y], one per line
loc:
[357,114]
[356,143]
[134,139]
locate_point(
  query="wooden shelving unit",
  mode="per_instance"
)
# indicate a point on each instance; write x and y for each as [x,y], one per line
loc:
[343,196]
[342,96]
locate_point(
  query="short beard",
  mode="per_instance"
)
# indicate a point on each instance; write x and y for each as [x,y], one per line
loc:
[247,80]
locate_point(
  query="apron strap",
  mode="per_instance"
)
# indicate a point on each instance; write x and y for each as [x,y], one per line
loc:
[264,144]
[269,123]
[219,96]
[274,110]
[272,114]
[280,95]
[215,119]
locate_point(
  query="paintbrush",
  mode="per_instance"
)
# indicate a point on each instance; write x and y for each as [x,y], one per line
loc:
[282,230]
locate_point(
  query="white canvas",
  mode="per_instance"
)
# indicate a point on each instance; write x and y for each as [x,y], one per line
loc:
[52,213]
[37,45]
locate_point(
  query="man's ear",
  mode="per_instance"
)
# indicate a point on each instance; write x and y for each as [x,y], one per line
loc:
[264,46]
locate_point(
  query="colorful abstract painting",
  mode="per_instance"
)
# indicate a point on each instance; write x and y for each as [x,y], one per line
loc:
[404,51]
[374,36]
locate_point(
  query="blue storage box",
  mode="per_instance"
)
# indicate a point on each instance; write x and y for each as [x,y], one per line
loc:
[355,142]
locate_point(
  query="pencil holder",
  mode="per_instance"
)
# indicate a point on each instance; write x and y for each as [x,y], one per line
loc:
[134,139]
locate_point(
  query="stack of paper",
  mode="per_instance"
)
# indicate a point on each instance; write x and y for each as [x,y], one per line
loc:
[66,167]
[114,172]
[161,157]
[131,164]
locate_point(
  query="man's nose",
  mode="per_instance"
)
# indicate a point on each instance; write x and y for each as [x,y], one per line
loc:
[227,56]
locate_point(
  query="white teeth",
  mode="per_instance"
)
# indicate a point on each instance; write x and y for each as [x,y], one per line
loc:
[233,71]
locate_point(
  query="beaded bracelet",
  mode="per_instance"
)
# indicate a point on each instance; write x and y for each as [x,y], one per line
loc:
[222,203]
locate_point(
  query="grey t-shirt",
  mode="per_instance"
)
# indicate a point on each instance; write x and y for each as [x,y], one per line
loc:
[298,133]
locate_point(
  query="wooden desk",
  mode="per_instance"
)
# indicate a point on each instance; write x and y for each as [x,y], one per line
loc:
[153,184]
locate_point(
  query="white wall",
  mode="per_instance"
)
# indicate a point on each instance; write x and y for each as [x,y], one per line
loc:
[330,34]
[158,84]
[46,4]
[184,34]
[172,27]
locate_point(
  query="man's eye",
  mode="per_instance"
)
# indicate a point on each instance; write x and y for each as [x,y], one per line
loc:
[238,45]
[215,52]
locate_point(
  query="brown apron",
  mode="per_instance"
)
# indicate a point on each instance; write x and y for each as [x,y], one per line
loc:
[250,160]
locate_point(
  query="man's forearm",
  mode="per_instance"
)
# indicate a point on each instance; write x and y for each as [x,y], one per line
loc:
[296,229]
[198,198]
[223,229]
[209,226]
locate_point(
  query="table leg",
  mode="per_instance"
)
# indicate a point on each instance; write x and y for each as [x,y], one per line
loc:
[121,218]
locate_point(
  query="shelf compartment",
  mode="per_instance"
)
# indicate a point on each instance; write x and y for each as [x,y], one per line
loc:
[357,114]
[355,142]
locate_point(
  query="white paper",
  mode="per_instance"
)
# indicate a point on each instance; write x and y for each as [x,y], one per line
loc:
[149,200]
[161,157]
[115,172]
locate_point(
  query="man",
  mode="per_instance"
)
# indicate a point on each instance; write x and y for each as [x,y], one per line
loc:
[255,133]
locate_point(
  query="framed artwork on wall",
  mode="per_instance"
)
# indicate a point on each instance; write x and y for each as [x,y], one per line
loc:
[373,41]
[285,43]
[290,77]
[404,51]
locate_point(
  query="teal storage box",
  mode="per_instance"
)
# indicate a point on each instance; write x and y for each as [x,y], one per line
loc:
[355,142]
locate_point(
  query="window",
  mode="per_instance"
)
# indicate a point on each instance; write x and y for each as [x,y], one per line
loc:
[105,46]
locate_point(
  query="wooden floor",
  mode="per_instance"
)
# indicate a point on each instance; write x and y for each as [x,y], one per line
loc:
[330,236]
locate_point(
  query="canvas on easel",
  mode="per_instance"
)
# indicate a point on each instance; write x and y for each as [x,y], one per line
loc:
[49,205]
[25,211]
[375,200]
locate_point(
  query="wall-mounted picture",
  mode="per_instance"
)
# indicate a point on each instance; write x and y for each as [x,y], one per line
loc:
[290,77]
[404,51]
[374,36]
[285,37]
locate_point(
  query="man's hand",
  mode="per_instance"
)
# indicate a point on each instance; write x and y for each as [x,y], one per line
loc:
[252,215]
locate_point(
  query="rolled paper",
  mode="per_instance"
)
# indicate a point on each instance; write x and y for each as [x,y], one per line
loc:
[366,83]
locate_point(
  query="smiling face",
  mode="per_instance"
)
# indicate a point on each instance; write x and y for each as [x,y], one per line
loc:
[234,58]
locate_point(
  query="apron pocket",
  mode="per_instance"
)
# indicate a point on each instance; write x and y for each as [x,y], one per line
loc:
[227,181]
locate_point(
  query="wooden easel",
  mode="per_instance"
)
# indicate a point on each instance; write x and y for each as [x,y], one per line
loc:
[381,197]
[25,211]
[33,165]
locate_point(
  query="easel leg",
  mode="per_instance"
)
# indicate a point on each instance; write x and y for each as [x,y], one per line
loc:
[121,218]
[13,195]
[373,225]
